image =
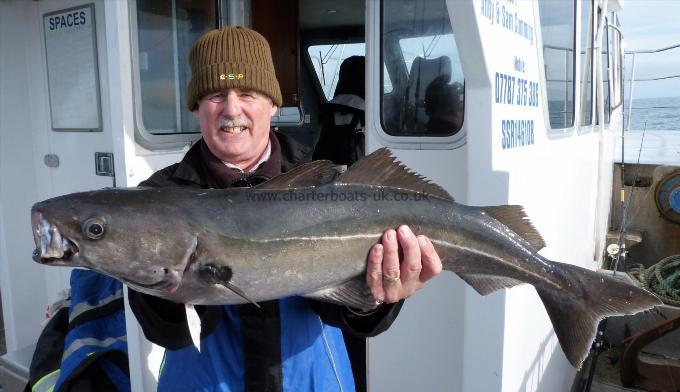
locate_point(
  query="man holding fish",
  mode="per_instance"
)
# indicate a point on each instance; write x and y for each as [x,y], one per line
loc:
[186,246]
[287,344]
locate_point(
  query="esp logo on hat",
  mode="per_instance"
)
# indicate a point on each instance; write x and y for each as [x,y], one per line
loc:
[231,76]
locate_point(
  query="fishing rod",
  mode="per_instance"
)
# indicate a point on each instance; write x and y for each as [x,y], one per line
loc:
[599,343]
[625,204]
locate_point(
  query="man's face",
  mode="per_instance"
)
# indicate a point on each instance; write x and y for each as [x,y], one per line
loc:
[235,125]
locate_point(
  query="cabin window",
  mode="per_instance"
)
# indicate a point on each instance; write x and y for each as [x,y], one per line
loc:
[557,31]
[586,61]
[327,59]
[164,36]
[425,92]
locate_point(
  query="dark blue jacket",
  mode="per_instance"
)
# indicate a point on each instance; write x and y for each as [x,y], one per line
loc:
[311,355]
[84,346]
[288,344]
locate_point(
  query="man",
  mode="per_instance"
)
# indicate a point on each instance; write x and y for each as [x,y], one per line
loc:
[443,106]
[287,344]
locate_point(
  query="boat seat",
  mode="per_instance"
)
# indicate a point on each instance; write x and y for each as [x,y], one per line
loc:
[423,72]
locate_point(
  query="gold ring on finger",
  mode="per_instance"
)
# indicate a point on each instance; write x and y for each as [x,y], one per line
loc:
[389,280]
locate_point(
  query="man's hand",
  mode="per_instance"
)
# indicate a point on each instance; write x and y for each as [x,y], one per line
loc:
[391,281]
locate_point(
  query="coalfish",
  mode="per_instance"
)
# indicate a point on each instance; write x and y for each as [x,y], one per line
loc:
[303,234]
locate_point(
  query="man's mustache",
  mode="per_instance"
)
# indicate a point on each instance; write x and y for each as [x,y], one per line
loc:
[234,122]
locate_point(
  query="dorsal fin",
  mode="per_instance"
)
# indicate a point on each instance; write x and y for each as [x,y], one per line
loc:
[516,219]
[306,175]
[381,168]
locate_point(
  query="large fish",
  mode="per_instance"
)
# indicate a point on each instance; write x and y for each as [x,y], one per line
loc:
[301,234]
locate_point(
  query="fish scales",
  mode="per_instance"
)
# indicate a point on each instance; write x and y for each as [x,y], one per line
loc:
[331,231]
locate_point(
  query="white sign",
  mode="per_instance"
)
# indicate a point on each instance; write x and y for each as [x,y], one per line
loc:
[72,69]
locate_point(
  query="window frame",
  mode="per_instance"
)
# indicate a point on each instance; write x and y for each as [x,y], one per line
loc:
[143,136]
[604,53]
[375,51]
[568,130]
[616,74]
[586,124]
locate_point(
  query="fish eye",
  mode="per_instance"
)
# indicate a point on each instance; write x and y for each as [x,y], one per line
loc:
[93,228]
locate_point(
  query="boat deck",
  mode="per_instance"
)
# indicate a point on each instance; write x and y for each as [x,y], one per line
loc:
[607,378]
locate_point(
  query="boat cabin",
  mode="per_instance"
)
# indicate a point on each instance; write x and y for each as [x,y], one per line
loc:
[498,101]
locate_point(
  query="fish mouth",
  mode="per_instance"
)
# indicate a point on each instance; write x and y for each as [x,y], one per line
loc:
[51,247]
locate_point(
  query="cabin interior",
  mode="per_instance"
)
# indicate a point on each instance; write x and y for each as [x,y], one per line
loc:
[324,35]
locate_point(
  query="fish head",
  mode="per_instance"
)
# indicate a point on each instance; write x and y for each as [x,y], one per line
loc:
[133,235]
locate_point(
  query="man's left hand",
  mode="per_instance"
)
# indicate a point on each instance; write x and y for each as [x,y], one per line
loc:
[391,280]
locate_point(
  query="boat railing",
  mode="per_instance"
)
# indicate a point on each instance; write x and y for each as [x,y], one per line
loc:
[633,79]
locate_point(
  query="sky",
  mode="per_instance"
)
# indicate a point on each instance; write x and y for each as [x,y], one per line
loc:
[652,24]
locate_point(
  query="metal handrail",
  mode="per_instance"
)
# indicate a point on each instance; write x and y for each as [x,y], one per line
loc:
[656,107]
[652,79]
[652,50]
[633,80]
[615,27]
[555,47]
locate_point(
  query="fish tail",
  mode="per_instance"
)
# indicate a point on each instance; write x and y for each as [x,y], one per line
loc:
[575,312]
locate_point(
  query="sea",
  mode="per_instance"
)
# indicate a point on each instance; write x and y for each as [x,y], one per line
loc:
[660,114]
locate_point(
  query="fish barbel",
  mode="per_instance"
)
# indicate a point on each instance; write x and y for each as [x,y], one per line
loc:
[303,234]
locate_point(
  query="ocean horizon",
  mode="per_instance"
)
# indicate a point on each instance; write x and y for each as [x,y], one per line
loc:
[659,114]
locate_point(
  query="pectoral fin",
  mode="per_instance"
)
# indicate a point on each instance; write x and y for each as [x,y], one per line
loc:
[221,275]
[236,290]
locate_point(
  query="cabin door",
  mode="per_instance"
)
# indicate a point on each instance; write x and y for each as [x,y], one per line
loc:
[79,140]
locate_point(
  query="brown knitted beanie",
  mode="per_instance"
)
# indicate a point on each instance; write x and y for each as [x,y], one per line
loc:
[231,57]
